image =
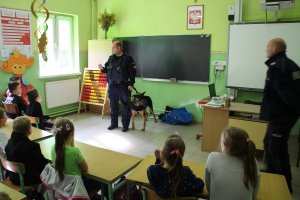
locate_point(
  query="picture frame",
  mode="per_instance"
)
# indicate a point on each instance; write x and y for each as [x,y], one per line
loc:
[195,16]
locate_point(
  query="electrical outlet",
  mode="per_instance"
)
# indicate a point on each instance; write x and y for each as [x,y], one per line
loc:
[219,65]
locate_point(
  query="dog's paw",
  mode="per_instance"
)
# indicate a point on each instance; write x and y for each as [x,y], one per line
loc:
[156,120]
[142,129]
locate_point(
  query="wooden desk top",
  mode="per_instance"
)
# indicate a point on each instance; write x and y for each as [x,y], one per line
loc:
[239,107]
[105,165]
[36,135]
[272,186]
[13,194]
[139,174]
[246,108]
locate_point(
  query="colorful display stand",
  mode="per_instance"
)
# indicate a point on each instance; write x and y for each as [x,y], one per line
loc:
[93,89]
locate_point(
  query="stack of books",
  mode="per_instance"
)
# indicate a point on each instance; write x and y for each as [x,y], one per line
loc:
[215,104]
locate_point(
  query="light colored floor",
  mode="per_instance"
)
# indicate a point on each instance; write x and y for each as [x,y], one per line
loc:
[91,129]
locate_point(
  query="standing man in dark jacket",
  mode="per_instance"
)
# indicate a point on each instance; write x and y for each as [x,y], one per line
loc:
[21,149]
[120,71]
[280,107]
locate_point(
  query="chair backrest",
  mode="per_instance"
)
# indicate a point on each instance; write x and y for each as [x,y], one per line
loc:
[151,195]
[11,108]
[57,188]
[34,120]
[15,167]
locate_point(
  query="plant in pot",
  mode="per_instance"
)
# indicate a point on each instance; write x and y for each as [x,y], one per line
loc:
[106,20]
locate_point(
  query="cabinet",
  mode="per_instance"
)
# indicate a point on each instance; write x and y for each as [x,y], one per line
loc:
[240,115]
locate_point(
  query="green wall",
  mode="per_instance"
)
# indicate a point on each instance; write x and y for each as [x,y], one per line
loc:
[167,17]
[145,18]
[81,9]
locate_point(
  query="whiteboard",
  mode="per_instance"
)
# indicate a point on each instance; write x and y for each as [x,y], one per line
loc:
[98,52]
[247,55]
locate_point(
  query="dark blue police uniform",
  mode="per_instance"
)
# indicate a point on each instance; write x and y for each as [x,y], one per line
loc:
[281,108]
[120,72]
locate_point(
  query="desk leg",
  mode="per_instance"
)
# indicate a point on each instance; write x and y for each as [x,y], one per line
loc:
[110,192]
[127,190]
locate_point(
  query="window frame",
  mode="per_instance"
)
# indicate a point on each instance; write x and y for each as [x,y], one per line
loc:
[76,68]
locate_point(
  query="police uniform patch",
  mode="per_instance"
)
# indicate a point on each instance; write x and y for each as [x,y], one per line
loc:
[296,75]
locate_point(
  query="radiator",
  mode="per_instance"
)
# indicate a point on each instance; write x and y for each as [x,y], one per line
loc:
[60,93]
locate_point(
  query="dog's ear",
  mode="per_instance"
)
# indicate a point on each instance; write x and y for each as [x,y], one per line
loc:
[143,93]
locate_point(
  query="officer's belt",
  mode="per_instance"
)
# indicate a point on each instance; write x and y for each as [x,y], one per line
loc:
[118,82]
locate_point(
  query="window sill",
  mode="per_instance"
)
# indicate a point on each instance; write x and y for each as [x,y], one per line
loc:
[59,76]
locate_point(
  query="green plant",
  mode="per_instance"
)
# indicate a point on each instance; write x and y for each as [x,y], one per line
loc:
[106,20]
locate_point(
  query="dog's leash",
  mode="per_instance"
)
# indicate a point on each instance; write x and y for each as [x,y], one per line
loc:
[135,90]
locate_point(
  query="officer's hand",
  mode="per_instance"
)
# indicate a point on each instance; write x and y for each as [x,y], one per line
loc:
[100,66]
[130,88]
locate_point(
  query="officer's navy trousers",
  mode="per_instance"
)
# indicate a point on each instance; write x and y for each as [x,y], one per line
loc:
[276,149]
[116,93]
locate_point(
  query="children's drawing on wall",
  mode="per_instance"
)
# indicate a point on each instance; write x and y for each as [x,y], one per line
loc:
[16,53]
[17,64]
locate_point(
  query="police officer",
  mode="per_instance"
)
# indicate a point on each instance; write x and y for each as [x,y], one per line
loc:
[280,107]
[120,71]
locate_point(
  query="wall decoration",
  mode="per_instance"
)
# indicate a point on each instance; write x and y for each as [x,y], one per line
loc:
[106,20]
[15,33]
[195,17]
[42,28]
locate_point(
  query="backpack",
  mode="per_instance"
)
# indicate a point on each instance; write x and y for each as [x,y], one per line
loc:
[177,116]
[134,193]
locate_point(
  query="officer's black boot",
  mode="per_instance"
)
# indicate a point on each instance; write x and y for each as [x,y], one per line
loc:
[124,129]
[111,127]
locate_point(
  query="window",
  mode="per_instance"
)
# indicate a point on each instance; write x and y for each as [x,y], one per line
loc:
[60,48]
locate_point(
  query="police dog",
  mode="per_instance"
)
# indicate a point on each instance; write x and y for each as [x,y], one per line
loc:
[139,103]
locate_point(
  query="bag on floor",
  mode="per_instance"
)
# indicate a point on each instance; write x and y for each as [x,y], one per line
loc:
[121,194]
[178,116]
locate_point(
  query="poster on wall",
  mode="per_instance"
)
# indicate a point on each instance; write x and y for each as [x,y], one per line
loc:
[195,17]
[15,32]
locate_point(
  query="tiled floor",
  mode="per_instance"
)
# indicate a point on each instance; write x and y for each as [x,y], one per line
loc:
[91,129]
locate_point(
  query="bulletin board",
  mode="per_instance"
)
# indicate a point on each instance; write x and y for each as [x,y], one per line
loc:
[15,32]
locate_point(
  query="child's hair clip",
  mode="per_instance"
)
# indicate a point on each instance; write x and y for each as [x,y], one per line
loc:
[68,127]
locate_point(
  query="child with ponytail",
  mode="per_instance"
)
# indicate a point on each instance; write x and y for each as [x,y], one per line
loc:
[233,173]
[168,177]
[67,158]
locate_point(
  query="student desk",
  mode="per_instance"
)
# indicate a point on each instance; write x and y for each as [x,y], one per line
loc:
[13,194]
[272,186]
[240,115]
[105,165]
[36,135]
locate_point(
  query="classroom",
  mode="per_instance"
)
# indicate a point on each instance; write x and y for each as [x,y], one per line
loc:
[92,67]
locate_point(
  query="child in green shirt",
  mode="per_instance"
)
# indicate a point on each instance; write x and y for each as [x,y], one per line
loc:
[67,158]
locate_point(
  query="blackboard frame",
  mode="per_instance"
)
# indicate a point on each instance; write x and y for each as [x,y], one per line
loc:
[180,48]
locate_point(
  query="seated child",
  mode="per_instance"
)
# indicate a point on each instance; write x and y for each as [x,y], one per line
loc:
[233,173]
[15,98]
[21,149]
[169,178]
[18,80]
[67,158]
[35,109]
[3,137]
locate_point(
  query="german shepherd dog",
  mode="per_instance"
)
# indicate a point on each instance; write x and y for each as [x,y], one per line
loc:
[139,103]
